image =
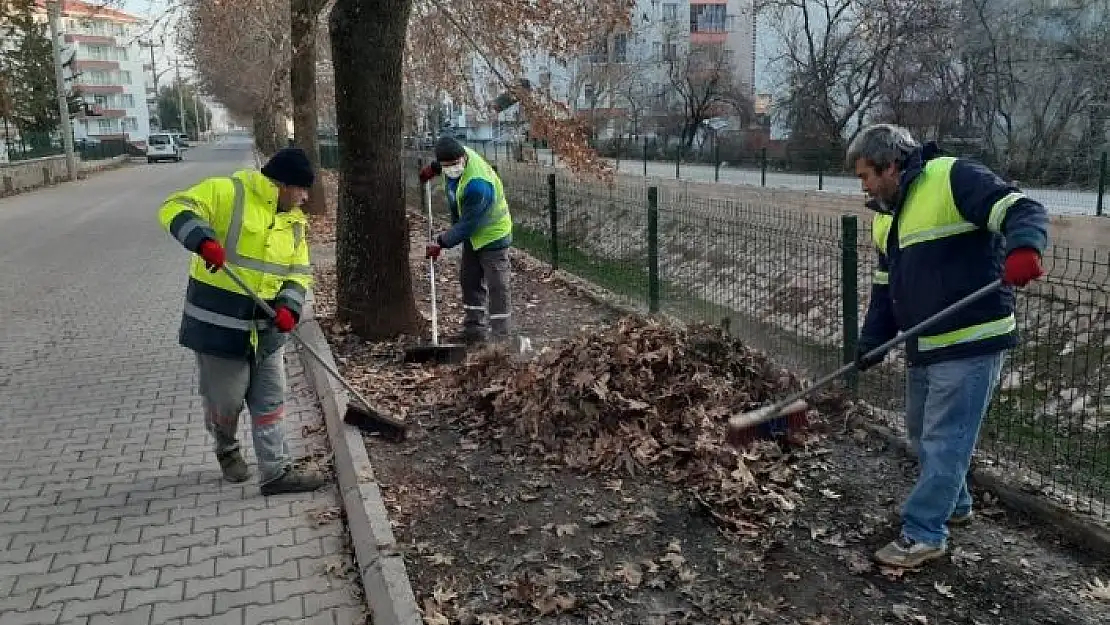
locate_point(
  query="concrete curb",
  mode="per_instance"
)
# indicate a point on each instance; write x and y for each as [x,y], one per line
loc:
[381,566]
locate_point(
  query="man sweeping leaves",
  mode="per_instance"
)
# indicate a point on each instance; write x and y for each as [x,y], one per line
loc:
[253,222]
[945,227]
[482,223]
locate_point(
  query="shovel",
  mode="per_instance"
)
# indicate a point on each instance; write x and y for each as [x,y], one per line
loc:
[743,428]
[363,416]
[446,353]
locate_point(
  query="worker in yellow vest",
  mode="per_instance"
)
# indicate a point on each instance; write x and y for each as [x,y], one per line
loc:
[945,227]
[251,221]
[482,223]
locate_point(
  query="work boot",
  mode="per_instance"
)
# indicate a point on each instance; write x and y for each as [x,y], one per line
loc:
[233,466]
[907,553]
[293,481]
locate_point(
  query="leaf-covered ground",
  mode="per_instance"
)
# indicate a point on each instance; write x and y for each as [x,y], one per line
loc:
[591,484]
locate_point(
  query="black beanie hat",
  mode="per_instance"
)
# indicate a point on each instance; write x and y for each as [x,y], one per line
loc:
[449,149]
[290,166]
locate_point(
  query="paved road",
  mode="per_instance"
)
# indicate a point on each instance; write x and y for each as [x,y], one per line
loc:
[112,509]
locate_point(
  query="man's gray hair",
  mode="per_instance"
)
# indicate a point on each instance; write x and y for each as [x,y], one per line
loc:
[880,145]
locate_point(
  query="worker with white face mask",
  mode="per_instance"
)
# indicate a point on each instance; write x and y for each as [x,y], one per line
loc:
[481,222]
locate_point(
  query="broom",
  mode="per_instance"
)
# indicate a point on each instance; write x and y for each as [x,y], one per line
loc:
[364,416]
[750,426]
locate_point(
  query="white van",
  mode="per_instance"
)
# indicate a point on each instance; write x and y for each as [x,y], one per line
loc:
[162,146]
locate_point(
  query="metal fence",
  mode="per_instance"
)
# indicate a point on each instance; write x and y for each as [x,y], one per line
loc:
[30,145]
[798,286]
[1079,189]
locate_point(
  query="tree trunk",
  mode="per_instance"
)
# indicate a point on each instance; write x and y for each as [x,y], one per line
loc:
[265,126]
[302,87]
[374,292]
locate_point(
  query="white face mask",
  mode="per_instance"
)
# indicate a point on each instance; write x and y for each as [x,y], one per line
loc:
[454,171]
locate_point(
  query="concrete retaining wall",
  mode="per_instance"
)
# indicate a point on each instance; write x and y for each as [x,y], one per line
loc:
[21,176]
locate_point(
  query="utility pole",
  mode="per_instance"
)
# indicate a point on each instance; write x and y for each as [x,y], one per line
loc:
[180,96]
[196,116]
[59,79]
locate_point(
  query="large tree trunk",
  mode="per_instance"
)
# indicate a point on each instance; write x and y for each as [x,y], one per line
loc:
[265,125]
[302,87]
[372,243]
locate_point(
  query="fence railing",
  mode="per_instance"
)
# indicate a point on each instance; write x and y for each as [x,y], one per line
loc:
[798,286]
[1079,189]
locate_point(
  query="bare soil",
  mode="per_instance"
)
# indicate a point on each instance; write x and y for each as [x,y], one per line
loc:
[498,529]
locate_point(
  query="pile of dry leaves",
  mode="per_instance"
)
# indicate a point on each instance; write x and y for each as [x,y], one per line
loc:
[644,396]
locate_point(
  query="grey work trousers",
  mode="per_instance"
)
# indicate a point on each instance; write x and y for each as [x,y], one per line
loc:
[484,276]
[225,385]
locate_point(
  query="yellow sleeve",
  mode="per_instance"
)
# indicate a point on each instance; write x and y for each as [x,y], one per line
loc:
[187,215]
[295,288]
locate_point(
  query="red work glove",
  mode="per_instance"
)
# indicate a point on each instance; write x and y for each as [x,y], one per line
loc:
[428,172]
[283,319]
[1023,265]
[432,251]
[212,253]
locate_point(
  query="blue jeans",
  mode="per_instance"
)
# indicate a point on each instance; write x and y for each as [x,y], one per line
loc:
[945,406]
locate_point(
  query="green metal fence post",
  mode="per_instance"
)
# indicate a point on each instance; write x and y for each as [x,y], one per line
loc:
[419,166]
[553,215]
[645,156]
[653,249]
[678,162]
[763,167]
[821,171]
[1101,185]
[849,297]
[716,158]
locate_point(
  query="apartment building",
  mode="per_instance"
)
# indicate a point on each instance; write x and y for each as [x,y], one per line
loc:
[599,84]
[107,70]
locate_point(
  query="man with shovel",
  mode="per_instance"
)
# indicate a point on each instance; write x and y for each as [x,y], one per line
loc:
[251,221]
[945,228]
[482,223]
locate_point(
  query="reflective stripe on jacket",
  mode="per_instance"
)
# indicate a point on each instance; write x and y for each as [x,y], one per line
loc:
[946,239]
[266,248]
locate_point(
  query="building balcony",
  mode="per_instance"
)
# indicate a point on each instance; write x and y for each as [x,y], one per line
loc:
[100,89]
[93,39]
[708,37]
[89,64]
[106,113]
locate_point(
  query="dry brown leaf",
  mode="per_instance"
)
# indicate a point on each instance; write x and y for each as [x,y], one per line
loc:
[944,590]
[630,574]
[1097,590]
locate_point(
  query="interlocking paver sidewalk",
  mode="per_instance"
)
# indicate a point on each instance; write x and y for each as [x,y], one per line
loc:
[112,508]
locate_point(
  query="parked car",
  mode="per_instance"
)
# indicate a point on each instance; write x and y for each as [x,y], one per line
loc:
[182,140]
[162,146]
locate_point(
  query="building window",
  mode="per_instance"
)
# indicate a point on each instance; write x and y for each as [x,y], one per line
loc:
[620,48]
[670,12]
[96,53]
[104,126]
[121,54]
[127,101]
[707,18]
[100,100]
[130,124]
[670,51]
[125,78]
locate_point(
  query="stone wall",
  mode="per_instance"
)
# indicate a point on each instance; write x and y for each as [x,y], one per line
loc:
[20,176]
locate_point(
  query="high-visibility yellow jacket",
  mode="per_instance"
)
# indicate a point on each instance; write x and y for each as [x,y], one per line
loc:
[266,248]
